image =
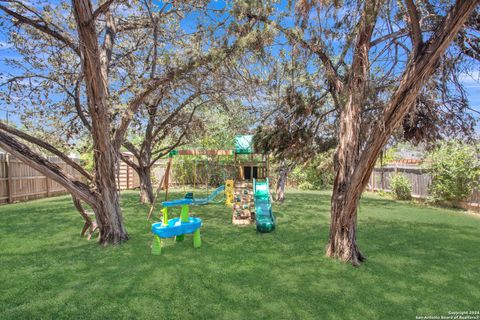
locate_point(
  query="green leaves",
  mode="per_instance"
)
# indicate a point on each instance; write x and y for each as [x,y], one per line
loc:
[401,187]
[455,170]
[318,174]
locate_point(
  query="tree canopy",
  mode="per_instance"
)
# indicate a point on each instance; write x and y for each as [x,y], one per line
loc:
[313,74]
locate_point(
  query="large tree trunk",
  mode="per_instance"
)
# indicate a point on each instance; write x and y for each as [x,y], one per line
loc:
[354,169]
[343,226]
[283,172]
[146,188]
[107,212]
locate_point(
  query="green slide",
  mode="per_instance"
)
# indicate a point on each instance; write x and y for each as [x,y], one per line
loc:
[265,219]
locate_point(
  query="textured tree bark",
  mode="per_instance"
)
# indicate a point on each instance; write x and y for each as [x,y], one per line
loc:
[343,226]
[107,212]
[146,188]
[143,168]
[354,168]
[283,172]
[89,225]
[47,168]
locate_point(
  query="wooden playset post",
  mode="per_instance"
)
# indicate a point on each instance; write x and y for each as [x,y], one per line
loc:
[268,165]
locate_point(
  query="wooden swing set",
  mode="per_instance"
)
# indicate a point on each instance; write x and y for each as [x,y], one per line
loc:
[165,181]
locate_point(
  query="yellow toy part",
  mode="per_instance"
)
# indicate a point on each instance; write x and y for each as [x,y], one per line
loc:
[164,211]
[229,193]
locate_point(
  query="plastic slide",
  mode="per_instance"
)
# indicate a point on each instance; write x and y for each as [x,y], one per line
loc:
[211,197]
[265,220]
[193,201]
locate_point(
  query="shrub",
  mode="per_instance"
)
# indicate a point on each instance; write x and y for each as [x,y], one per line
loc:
[305,185]
[317,174]
[401,187]
[455,170]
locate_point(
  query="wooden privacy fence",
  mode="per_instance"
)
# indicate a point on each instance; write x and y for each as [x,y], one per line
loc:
[127,178]
[20,182]
[420,180]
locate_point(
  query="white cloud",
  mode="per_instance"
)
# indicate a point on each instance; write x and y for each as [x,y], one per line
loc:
[5,45]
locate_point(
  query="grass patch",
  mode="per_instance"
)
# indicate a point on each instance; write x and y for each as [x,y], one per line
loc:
[421,261]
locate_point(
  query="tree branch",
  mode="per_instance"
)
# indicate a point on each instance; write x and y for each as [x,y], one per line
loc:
[154,21]
[414,25]
[78,105]
[129,162]
[167,78]
[108,42]
[359,72]
[185,103]
[162,152]
[64,38]
[317,48]
[48,168]
[396,34]
[131,147]
[104,7]
[45,146]
[417,73]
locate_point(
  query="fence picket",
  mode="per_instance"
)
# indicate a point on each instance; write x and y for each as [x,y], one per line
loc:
[20,182]
[420,180]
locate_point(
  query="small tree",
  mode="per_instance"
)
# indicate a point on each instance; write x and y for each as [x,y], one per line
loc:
[455,170]
[168,123]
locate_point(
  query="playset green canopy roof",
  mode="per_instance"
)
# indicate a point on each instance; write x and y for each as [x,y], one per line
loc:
[244,144]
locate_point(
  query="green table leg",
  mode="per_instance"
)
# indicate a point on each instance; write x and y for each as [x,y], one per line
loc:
[197,241]
[180,237]
[156,245]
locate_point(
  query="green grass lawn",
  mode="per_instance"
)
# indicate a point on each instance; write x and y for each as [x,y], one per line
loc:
[421,261]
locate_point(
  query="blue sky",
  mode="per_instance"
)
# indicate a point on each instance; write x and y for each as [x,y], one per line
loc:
[470,82]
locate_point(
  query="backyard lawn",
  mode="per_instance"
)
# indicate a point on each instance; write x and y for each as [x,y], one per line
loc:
[421,261]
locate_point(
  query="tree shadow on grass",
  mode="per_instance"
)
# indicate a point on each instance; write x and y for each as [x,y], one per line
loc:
[414,267]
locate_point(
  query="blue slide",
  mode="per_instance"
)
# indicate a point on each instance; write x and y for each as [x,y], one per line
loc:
[195,202]
[265,220]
